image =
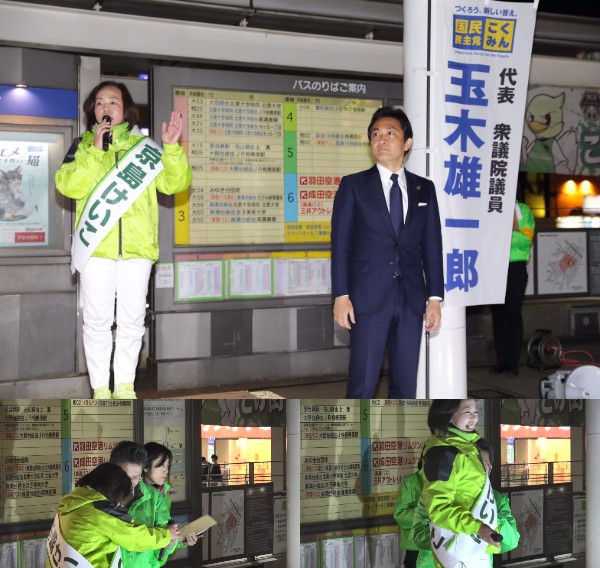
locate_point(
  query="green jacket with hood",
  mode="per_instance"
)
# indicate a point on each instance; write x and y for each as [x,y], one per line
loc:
[151,508]
[507,527]
[136,235]
[521,240]
[96,528]
[408,497]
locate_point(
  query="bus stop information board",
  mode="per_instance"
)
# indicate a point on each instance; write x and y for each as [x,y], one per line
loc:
[266,166]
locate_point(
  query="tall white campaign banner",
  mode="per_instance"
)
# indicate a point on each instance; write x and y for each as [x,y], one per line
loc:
[480,58]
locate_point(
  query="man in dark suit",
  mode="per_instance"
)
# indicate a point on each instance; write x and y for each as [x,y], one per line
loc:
[386,261]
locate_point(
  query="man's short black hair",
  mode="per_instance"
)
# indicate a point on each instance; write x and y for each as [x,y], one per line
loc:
[389,112]
[129,452]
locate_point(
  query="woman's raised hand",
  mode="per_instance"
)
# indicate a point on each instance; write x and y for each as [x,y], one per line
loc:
[172,131]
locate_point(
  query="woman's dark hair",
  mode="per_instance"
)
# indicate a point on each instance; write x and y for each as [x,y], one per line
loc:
[158,451]
[440,414]
[110,480]
[131,114]
[389,112]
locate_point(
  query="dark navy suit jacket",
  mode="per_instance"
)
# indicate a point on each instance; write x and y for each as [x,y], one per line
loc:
[364,246]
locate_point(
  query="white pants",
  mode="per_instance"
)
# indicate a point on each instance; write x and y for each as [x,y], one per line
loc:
[100,281]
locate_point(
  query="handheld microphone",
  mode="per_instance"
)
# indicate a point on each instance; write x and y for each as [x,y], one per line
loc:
[106,137]
[497,537]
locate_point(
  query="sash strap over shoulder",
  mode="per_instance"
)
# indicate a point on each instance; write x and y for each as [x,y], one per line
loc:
[62,555]
[113,196]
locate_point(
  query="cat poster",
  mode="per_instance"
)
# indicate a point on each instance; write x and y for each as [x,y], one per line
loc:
[24,190]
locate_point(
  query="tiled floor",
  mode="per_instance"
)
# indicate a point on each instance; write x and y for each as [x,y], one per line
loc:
[480,384]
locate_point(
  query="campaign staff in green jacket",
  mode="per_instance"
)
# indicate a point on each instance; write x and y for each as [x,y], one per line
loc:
[455,481]
[114,175]
[153,507]
[93,523]
[507,318]
[406,503]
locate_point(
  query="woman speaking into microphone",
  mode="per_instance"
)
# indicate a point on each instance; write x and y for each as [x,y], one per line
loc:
[114,175]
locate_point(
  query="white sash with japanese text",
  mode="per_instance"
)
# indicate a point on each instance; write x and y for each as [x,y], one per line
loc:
[62,555]
[455,550]
[482,55]
[114,195]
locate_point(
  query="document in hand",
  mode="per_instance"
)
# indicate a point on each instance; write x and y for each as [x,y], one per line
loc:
[197,526]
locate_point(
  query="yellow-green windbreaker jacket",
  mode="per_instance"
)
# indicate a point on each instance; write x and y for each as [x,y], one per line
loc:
[96,528]
[507,527]
[136,234]
[453,479]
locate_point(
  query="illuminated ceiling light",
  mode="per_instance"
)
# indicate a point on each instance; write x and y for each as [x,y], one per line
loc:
[585,187]
[21,86]
[570,187]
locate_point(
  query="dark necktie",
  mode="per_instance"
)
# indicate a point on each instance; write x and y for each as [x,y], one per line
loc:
[396,208]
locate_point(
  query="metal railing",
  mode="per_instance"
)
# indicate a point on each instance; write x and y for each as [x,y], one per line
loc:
[241,473]
[538,473]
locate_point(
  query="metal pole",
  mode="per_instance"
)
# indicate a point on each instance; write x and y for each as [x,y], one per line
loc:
[426,364]
[592,467]
[293,482]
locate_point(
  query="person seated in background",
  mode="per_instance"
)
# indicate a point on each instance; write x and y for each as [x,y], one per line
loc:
[205,469]
[215,469]
[92,523]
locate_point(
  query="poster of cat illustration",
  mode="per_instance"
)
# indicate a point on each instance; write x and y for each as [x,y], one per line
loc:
[24,193]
